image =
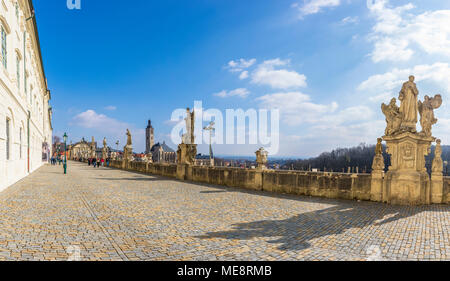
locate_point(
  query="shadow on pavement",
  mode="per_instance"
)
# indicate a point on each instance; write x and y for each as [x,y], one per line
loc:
[296,232]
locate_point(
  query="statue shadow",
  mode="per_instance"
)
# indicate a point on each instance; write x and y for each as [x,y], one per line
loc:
[297,232]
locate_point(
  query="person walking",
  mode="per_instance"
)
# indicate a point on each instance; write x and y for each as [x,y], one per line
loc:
[94,162]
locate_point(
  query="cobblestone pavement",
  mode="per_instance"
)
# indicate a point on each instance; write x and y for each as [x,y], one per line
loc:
[106,214]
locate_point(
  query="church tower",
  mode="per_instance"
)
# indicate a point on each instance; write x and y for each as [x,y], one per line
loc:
[149,137]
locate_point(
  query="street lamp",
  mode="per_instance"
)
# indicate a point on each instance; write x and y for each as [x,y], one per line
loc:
[210,128]
[65,153]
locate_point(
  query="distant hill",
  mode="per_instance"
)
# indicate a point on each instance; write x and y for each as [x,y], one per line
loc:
[360,156]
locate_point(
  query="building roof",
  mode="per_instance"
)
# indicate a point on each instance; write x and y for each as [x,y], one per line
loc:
[201,156]
[164,146]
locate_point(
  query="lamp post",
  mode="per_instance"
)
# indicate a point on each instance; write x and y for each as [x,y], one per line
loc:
[65,153]
[210,128]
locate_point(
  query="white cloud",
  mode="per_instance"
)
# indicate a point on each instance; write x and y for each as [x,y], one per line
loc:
[317,139]
[111,107]
[240,92]
[266,74]
[296,108]
[244,75]
[240,65]
[315,6]
[389,84]
[323,127]
[92,120]
[350,20]
[397,32]
[101,126]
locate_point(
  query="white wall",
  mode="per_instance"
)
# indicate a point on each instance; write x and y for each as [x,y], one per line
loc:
[15,102]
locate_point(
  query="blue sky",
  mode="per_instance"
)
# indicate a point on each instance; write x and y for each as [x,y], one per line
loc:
[327,65]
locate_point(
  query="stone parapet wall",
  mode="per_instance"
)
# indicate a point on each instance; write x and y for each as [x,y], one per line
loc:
[234,177]
[167,170]
[328,185]
[318,184]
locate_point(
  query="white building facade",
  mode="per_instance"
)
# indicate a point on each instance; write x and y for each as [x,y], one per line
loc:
[25,113]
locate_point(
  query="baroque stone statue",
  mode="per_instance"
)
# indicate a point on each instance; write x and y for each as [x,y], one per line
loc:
[105,149]
[129,142]
[393,117]
[438,165]
[128,149]
[407,180]
[378,160]
[188,137]
[379,147]
[426,110]
[409,106]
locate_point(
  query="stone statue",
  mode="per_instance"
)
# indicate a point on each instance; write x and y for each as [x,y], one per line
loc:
[438,164]
[188,137]
[128,150]
[379,147]
[93,148]
[426,110]
[129,142]
[393,117]
[409,106]
[105,149]
[261,158]
[378,160]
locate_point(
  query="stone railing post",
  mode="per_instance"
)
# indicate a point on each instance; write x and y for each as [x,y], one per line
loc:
[437,176]
[376,184]
[261,161]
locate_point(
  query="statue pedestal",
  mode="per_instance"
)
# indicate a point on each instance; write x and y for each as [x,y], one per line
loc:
[407,181]
[185,159]
[127,156]
[437,188]
[186,153]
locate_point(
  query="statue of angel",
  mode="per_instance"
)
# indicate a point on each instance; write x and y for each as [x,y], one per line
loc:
[393,117]
[426,110]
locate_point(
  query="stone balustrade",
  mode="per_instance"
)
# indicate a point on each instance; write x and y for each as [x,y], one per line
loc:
[319,184]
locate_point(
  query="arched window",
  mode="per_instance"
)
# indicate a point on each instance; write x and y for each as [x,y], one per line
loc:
[18,70]
[4,50]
